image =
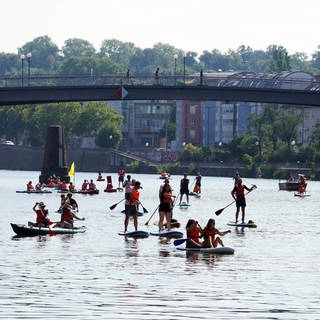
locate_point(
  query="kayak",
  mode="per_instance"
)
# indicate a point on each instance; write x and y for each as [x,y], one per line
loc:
[135,234]
[219,250]
[89,191]
[26,231]
[168,234]
[34,191]
[242,225]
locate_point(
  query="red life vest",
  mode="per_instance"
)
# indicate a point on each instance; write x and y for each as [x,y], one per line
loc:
[209,233]
[41,217]
[121,173]
[239,191]
[167,198]
[193,234]
[134,196]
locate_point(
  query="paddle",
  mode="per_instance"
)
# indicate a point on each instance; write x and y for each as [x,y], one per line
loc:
[220,210]
[144,209]
[152,215]
[114,205]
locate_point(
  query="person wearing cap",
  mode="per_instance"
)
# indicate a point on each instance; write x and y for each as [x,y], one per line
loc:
[42,220]
[132,203]
[165,207]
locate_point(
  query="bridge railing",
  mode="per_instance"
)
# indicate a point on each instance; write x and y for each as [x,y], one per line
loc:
[163,80]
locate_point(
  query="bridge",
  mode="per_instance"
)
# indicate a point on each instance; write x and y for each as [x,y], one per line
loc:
[282,88]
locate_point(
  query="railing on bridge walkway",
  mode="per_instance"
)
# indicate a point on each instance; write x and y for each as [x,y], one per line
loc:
[241,80]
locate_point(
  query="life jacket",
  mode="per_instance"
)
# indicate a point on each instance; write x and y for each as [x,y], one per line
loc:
[193,234]
[63,186]
[209,233]
[66,216]
[41,217]
[71,187]
[239,191]
[166,198]
[134,197]
[121,173]
[29,186]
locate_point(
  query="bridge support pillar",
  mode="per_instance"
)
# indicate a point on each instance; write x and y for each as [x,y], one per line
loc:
[55,156]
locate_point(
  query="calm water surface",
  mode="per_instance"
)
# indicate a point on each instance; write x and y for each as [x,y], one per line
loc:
[274,273]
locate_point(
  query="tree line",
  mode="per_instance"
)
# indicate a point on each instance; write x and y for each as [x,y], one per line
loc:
[78,56]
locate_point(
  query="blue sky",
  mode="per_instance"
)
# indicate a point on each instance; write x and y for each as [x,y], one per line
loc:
[186,24]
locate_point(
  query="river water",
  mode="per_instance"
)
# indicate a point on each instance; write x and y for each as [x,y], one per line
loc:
[274,273]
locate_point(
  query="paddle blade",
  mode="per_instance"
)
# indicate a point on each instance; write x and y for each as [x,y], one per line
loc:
[113,206]
[145,210]
[179,241]
[219,211]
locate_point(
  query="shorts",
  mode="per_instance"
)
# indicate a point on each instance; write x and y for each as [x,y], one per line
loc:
[165,207]
[241,202]
[121,178]
[130,209]
[184,191]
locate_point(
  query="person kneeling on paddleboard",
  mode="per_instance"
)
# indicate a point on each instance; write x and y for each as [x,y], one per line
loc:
[193,234]
[209,233]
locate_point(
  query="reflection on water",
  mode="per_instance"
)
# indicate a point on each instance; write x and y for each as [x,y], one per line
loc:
[274,273]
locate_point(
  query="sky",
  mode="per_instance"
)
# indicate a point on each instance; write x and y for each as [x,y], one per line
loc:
[185,24]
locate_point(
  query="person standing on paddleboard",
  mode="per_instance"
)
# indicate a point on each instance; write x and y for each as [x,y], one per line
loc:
[165,207]
[238,195]
[184,188]
[131,208]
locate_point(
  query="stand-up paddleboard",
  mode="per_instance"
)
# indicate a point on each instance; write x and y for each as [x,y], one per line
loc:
[184,205]
[135,234]
[168,234]
[249,224]
[34,191]
[302,195]
[140,214]
[219,250]
[120,189]
[197,195]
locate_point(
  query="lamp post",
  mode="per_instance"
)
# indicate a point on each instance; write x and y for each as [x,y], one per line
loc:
[175,69]
[184,70]
[22,67]
[29,55]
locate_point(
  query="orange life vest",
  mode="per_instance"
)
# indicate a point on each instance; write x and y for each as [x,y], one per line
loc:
[134,196]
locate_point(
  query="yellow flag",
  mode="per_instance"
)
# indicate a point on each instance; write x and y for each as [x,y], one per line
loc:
[71,171]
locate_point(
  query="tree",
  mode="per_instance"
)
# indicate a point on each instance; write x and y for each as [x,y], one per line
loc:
[8,64]
[45,54]
[280,60]
[78,48]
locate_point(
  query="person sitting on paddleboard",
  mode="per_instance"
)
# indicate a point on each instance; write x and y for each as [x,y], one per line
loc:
[238,195]
[165,207]
[71,187]
[132,203]
[42,216]
[209,233]
[193,234]
[184,188]
[85,185]
[30,186]
[92,185]
[67,218]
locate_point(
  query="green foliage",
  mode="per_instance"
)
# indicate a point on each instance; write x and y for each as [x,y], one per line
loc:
[133,166]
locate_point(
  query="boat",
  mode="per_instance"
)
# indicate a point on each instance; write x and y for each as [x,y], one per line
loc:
[219,250]
[249,224]
[293,184]
[135,234]
[26,231]
[96,191]
[33,191]
[168,234]
[164,175]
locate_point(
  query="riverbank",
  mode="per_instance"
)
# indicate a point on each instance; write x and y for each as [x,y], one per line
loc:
[94,160]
